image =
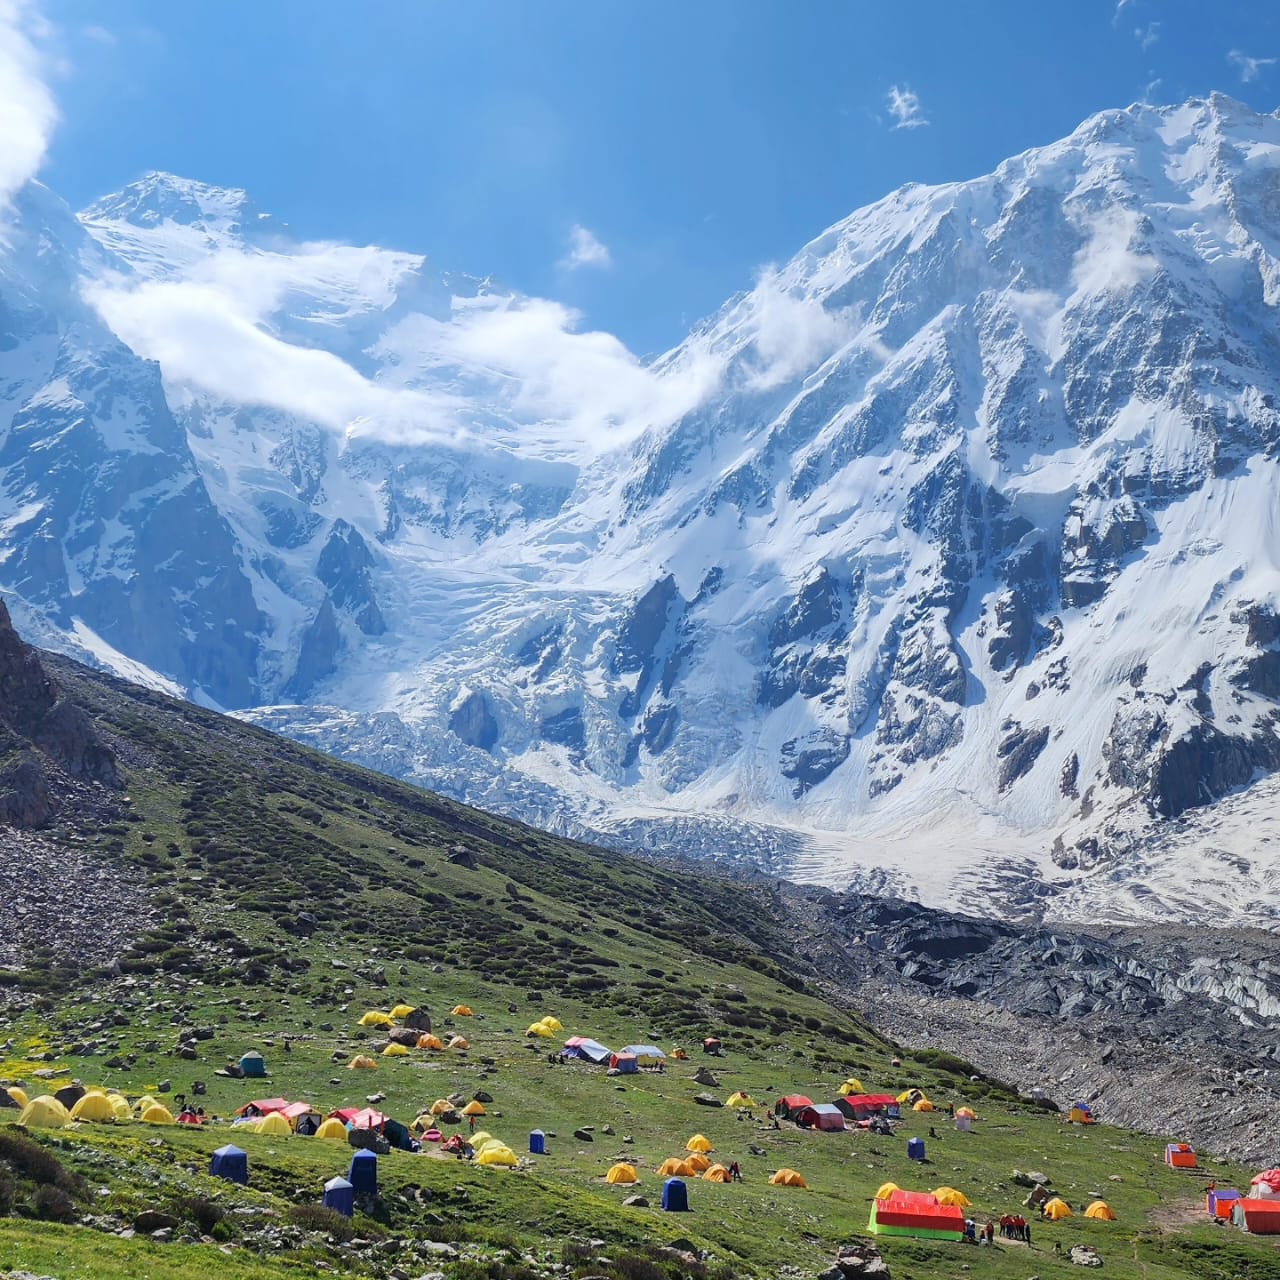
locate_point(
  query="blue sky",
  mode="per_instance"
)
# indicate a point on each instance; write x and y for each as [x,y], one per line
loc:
[690,143]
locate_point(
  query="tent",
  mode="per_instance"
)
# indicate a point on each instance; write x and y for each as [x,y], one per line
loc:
[376,1018]
[264,1106]
[440,1106]
[949,1195]
[1220,1200]
[675,1196]
[398,1135]
[789,1104]
[19,1096]
[695,1162]
[625,1064]
[362,1062]
[497,1154]
[740,1100]
[916,1213]
[120,1106]
[910,1096]
[712,1045]
[363,1173]
[95,1107]
[332,1129]
[716,1173]
[143,1103]
[966,1113]
[294,1112]
[6,1100]
[1080,1113]
[340,1196]
[586,1049]
[365,1118]
[230,1163]
[673,1167]
[395,1051]
[1260,1217]
[157,1113]
[787,1178]
[1057,1208]
[540,1029]
[481,1139]
[473,1109]
[852,1085]
[821,1115]
[428,1041]
[621,1173]
[886,1190]
[274,1125]
[1180,1156]
[862,1106]
[459,1042]
[552,1023]
[648,1055]
[461,1011]
[1100,1209]
[923,1105]
[253,1066]
[537,1143]
[698,1143]
[45,1112]
[402,1011]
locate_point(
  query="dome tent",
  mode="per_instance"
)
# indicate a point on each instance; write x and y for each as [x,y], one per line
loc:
[95,1107]
[362,1062]
[495,1153]
[1057,1208]
[44,1112]
[949,1195]
[1102,1210]
[158,1113]
[621,1173]
[395,1051]
[462,1011]
[698,1143]
[716,1173]
[273,1125]
[428,1041]
[674,1168]
[696,1162]
[333,1130]
[787,1178]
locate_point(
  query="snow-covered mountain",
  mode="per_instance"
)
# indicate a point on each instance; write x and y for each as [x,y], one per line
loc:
[944,559]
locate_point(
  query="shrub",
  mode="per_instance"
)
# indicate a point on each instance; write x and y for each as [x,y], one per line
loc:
[317,1217]
[205,1213]
[30,1160]
[52,1204]
[8,1192]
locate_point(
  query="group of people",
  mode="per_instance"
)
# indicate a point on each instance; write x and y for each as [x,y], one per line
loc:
[1013,1226]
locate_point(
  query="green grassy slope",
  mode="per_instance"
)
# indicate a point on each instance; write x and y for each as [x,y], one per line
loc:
[232,833]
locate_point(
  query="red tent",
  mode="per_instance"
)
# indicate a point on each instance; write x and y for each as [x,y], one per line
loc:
[265,1105]
[296,1110]
[1258,1217]
[916,1213]
[366,1118]
[1268,1179]
[790,1103]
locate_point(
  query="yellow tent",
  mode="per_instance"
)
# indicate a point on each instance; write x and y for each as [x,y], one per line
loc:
[459,1042]
[912,1095]
[143,1103]
[120,1106]
[273,1125]
[968,1112]
[158,1113]
[698,1143]
[402,1011]
[440,1106]
[95,1107]
[18,1095]
[741,1100]
[717,1173]
[333,1129]
[361,1062]
[539,1029]
[45,1112]
[376,1018]
[1057,1208]
[787,1178]
[852,1085]
[621,1173]
[923,1105]
[395,1051]
[473,1109]
[496,1153]
[429,1041]
[696,1162]
[482,1139]
[552,1023]
[461,1011]
[886,1190]
[674,1168]
[1100,1209]
[949,1195]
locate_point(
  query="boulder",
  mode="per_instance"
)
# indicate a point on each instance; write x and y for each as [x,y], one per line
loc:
[707,1100]
[704,1076]
[583,1135]
[1084,1255]
[860,1258]
[636,1202]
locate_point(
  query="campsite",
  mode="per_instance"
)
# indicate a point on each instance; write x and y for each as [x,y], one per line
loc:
[418,909]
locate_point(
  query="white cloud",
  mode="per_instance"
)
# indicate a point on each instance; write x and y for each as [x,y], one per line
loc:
[585,250]
[1108,261]
[1250,68]
[791,332]
[99,35]
[27,110]
[1121,6]
[904,106]
[1148,35]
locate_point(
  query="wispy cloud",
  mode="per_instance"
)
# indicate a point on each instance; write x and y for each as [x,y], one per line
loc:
[585,250]
[27,110]
[1250,68]
[904,106]
[1121,6]
[99,35]
[1148,35]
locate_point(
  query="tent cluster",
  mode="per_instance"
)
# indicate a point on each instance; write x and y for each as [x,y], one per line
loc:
[1258,1210]
[74,1104]
[545,1028]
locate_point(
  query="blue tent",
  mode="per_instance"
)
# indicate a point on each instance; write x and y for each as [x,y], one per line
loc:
[624,1064]
[645,1052]
[675,1196]
[230,1163]
[340,1196]
[586,1049]
[915,1148]
[253,1065]
[364,1173]
[537,1143]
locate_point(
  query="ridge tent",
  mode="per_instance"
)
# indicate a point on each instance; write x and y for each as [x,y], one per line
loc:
[821,1115]
[340,1196]
[332,1129]
[1100,1209]
[1080,1113]
[621,1173]
[1258,1217]
[44,1112]
[675,1196]
[586,1049]
[789,1104]
[428,1041]
[916,1213]
[716,1173]
[362,1062]
[625,1064]
[231,1164]
[1179,1155]
[699,1143]
[862,1106]
[253,1066]
[695,1162]
[402,1010]
[647,1055]
[94,1107]
[156,1113]
[673,1167]
[497,1154]
[295,1111]
[1057,1208]
[462,1011]
[376,1018]
[787,1178]
[274,1125]
[539,1029]
[264,1106]
[1218,1202]
[459,1042]
[949,1195]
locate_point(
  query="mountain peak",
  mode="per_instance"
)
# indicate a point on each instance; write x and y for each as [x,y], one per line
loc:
[164,197]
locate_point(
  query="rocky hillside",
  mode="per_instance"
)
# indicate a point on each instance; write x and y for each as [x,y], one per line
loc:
[942,560]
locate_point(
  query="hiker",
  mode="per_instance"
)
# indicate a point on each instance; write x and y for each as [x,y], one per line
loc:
[471,1124]
[951,1109]
[990,1232]
[735,1172]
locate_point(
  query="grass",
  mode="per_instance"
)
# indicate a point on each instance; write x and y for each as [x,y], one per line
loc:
[231,834]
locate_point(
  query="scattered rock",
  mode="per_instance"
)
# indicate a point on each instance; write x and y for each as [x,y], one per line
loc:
[1084,1255]
[636,1202]
[584,1135]
[707,1100]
